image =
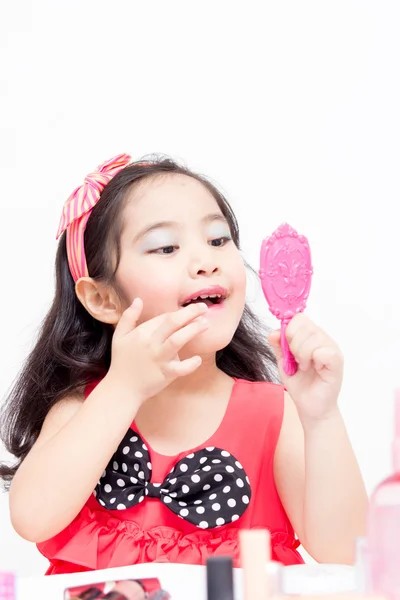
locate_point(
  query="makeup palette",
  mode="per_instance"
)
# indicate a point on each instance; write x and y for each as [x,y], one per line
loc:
[133,589]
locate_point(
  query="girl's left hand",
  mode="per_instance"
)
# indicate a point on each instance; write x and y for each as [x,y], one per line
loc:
[316,385]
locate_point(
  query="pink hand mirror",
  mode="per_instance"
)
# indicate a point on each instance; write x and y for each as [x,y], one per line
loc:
[285,273]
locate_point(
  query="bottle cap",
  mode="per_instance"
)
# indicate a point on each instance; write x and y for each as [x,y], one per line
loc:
[220,578]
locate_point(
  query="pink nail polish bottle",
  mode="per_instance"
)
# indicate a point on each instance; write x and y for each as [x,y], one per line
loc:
[7,586]
[384,526]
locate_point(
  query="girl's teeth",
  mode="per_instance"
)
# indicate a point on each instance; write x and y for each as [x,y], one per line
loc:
[206,296]
[211,296]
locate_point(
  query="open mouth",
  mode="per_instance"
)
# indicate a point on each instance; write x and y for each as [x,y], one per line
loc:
[210,300]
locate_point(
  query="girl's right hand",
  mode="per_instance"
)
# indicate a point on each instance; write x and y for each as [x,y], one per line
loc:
[145,357]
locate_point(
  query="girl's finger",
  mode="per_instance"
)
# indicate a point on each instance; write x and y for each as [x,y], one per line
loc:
[180,368]
[180,338]
[327,359]
[299,325]
[304,352]
[172,322]
[274,339]
[301,338]
[129,318]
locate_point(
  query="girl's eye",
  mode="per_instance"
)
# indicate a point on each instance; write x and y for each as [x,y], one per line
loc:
[218,242]
[164,250]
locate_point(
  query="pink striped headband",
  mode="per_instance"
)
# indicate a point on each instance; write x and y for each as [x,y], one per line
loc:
[78,207]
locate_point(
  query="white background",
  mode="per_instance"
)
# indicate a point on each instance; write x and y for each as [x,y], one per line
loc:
[291,106]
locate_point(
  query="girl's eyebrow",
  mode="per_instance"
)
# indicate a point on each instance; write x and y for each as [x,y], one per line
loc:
[174,224]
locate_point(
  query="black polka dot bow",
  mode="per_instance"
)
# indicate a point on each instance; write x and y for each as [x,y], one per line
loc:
[209,488]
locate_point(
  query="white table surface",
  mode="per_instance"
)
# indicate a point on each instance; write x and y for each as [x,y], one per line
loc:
[186,581]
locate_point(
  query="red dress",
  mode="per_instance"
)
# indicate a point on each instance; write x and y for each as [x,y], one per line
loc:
[148,507]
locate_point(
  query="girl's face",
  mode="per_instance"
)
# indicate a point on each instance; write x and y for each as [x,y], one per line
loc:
[176,246]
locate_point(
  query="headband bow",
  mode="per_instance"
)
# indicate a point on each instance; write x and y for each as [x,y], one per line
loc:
[78,207]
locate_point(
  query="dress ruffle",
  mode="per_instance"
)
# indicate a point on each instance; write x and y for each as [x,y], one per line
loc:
[96,540]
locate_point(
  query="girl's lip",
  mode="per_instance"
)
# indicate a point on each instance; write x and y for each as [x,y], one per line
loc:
[218,306]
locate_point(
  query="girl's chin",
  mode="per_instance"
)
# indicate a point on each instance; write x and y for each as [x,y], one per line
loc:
[206,344]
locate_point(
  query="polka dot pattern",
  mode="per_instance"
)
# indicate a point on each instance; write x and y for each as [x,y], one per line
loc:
[208,488]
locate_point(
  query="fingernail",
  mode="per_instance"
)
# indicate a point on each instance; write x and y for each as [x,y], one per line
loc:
[203,308]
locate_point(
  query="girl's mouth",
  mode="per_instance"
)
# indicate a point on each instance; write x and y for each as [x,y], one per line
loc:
[213,296]
[209,299]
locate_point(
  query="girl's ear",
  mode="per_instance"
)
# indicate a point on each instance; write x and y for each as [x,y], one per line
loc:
[100,301]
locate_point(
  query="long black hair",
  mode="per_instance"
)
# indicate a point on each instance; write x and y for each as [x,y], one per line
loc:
[73,348]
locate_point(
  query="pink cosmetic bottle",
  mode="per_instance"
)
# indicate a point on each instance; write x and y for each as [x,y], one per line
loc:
[7,586]
[384,526]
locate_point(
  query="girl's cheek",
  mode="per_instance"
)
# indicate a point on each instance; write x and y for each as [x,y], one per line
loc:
[159,295]
[239,273]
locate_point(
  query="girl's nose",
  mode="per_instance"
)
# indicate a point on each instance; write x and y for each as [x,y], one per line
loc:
[204,264]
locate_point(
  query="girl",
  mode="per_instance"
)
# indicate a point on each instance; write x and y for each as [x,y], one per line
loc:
[146,422]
